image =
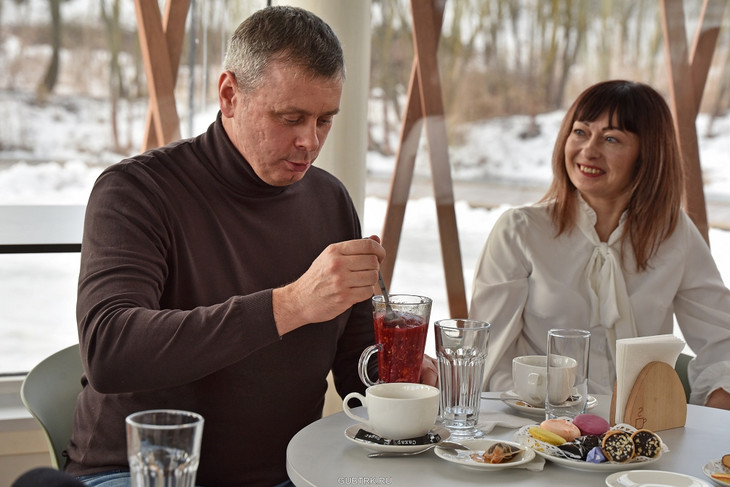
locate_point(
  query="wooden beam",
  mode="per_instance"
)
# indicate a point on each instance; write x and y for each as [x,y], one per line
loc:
[685,98]
[173,26]
[405,161]
[161,74]
[703,47]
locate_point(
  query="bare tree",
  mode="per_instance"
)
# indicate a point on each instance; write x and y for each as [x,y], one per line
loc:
[116,84]
[46,86]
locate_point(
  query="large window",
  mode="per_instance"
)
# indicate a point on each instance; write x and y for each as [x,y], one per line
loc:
[73,100]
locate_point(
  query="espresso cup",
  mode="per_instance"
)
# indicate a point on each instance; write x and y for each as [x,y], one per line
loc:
[398,410]
[529,378]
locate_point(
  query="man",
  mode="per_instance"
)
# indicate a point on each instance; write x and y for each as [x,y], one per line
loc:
[225,274]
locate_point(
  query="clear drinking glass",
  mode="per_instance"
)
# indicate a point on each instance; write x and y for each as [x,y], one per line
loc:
[461,350]
[163,447]
[401,326]
[567,372]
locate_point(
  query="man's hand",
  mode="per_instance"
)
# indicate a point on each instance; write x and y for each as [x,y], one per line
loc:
[342,275]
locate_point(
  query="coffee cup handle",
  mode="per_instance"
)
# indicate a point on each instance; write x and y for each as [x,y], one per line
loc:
[534,381]
[346,408]
[362,365]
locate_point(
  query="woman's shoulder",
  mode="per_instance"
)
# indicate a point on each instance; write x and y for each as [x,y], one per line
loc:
[522,217]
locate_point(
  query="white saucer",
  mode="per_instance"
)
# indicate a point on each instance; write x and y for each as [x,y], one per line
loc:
[463,457]
[511,399]
[715,466]
[654,478]
[369,445]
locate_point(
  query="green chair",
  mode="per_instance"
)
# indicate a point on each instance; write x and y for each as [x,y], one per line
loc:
[681,368]
[49,392]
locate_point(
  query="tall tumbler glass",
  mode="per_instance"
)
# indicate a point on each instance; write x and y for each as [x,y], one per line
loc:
[567,372]
[461,350]
[163,447]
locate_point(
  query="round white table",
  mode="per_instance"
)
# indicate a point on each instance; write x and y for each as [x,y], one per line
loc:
[320,455]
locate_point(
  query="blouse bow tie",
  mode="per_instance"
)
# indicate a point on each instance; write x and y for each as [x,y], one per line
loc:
[610,304]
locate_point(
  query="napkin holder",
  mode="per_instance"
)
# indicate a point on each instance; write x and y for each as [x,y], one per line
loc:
[656,402]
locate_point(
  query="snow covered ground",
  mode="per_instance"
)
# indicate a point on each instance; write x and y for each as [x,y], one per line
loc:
[37,292]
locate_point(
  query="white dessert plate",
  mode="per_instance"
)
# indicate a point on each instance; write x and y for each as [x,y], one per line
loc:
[599,467]
[479,446]
[716,466]
[511,399]
[653,478]
[369,445]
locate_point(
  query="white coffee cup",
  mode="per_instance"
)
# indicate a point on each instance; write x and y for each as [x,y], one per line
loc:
[529,378]
[398,410]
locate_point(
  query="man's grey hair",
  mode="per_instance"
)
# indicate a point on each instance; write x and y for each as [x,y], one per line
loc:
[283,33]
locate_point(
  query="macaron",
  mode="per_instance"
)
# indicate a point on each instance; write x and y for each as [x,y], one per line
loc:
[591,424]
[561,427]
[544,435]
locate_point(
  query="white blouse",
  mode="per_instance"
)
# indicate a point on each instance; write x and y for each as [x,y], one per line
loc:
[527,281]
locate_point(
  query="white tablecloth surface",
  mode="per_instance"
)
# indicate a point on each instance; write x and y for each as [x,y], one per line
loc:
[320,455]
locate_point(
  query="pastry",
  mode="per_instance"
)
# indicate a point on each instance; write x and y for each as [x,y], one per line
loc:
[591,424]
[497,453]
[578,449]
[562,428]
[572,450]
[725,477]
[726,460]
[547,436]
[617,446]
[646,444]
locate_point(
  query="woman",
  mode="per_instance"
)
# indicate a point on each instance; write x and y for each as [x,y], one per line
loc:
[607,249]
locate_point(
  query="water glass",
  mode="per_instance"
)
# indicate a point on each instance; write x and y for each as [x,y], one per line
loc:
[163,447]
[567,346]
[461,351]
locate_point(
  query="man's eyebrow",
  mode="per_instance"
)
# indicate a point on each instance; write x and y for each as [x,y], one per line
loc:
[305,112]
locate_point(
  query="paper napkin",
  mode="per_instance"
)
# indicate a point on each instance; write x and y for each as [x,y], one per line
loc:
[632,354]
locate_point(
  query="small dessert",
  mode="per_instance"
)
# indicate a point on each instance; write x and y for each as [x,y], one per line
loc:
[596,455]
[726,461]
[617,446]
[646,444]
[562,428]
[572,450]
[579,448]
[547,436]
[725,477]
[497,453]
[591,424]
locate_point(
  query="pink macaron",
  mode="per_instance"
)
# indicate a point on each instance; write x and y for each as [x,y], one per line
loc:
[590,424]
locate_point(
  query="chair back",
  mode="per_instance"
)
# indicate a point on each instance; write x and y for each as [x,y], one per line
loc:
[681,368]
[49,392]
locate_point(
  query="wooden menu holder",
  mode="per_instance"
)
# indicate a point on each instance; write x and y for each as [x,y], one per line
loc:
[656,402]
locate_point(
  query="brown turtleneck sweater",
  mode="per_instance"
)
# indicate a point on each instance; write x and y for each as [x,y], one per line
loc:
[182,247]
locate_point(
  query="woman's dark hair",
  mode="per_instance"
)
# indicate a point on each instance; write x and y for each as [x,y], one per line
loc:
[656,192]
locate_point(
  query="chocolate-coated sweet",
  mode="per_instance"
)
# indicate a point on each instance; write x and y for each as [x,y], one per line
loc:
[617,446]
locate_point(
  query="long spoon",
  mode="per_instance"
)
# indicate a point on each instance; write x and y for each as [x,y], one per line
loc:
[451,445]
[391,317]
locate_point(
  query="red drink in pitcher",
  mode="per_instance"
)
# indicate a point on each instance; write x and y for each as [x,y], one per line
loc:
[403,343]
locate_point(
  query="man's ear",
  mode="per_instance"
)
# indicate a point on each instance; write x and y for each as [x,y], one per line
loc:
[227,92]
